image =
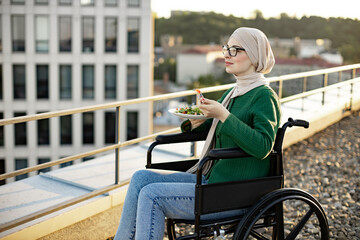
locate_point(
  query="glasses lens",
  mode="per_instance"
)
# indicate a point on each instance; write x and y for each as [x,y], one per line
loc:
[224,50]
[232,51]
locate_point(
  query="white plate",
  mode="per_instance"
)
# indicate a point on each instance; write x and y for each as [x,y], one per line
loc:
[188,116]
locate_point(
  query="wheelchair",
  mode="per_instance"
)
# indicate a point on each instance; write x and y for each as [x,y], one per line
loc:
[265,199]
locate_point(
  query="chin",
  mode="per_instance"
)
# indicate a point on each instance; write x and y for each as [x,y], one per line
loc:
[229,71]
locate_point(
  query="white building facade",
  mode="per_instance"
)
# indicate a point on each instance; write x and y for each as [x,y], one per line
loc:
[63,54]
[197,61]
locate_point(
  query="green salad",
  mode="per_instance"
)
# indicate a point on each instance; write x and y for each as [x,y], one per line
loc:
[189,110]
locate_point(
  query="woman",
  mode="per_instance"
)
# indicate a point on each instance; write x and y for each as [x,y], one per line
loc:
[247,116]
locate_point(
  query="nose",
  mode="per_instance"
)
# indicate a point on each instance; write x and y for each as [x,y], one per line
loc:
[226,55]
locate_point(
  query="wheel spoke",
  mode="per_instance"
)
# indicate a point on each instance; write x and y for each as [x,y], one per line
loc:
[257,235]
[300,225]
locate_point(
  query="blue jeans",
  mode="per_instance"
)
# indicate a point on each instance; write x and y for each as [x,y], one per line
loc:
[152,196]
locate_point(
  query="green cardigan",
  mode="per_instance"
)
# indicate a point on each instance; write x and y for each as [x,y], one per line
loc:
[252,125]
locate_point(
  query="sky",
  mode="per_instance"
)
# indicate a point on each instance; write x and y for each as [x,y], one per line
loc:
[269,8]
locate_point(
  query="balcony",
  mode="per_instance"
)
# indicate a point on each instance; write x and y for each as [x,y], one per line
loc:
[86,199]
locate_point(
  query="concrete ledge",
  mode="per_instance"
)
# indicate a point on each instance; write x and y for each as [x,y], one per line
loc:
[95,219]
[319,121]
[99,226]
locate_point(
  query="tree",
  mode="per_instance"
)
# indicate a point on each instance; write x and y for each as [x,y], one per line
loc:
[208,80]
[167,66]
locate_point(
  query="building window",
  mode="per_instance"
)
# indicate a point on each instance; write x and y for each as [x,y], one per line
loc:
[110,129]
[20,131]
[65,130]
[42,33]
[133,3]
[41,161]
[43,132]
[41,2]
[62,165]
[88,82]
[19,82]
[133,35]
[65,82]
[88,32]
[18,33]
[0,33]
[65,34]
[132,125]
[88,158]
[132,81]
[111,3]
[21,163]
[88,128]
[42,81]
[1,83]
[110,82]
[87,2]
[110,34]
[18,2]
[1,131]
[2,170]
[65,2]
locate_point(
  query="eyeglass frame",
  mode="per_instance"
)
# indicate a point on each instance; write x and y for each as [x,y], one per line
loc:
[226,48]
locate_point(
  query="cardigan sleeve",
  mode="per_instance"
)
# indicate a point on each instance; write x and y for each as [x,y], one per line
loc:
[257,138]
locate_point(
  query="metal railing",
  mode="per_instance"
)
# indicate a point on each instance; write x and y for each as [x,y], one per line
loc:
[118,145]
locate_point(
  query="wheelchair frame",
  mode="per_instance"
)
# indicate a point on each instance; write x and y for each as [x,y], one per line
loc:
[263,198]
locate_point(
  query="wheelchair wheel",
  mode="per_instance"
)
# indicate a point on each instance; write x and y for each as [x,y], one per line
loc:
[284,214]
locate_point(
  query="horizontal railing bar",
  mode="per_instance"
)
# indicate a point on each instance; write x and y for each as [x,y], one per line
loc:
[86,154]
[318,90]
[60,206]
[313,73]
[60,113]
[162,97]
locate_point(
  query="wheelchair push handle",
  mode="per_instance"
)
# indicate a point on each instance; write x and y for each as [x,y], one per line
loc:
[298,123]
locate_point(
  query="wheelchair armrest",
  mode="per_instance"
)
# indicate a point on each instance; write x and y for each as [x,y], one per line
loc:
[225,153]
[228,153]
[174,138]
[181,137]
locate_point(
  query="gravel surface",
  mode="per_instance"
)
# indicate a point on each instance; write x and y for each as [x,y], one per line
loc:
[327,165]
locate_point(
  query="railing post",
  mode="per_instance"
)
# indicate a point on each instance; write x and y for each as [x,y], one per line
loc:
[117,150]
[304,90]
[339,80]
[325,83]
[193,145]
[280,89]
[353,75]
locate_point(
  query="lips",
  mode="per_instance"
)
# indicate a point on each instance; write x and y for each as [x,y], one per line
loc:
[227,63]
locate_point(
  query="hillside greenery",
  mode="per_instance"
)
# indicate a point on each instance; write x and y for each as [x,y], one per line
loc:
[205,28]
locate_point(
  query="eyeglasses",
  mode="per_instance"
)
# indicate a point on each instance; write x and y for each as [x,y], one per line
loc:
[232,50]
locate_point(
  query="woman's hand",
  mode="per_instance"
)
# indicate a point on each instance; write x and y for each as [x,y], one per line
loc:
[196,122]
[213,109]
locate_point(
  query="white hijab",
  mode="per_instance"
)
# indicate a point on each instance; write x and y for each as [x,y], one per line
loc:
[259,51]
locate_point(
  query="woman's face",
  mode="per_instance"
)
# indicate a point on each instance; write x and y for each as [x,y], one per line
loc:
[240,64]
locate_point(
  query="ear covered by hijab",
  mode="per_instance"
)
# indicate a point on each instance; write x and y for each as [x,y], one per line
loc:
[257,47]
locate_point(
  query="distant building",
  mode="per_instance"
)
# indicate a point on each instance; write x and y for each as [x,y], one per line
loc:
[62,54]
[332,57]
[173,45]
[305,48]
[196,61]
